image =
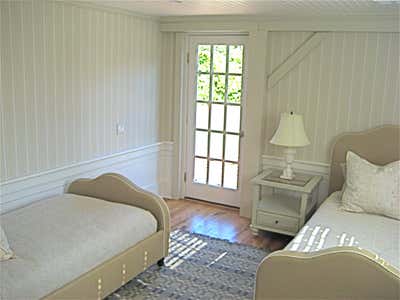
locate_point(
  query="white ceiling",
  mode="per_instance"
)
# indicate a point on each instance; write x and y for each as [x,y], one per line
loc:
[271,8]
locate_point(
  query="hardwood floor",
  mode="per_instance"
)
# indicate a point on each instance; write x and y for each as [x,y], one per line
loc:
[221,222]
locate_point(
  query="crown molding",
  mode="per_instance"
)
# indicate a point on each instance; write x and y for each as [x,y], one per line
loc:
[249,23]
[110,9]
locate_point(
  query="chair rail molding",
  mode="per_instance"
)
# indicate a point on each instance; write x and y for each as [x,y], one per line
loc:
[147,166]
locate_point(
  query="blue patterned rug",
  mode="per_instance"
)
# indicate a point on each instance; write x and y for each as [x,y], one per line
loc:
[198,267]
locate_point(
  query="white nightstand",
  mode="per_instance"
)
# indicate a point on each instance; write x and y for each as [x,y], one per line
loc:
[281,205]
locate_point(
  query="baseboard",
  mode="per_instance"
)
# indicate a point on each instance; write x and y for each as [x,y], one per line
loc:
[145,166]
[309,167]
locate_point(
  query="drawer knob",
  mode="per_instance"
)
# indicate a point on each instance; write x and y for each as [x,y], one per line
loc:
[276,221]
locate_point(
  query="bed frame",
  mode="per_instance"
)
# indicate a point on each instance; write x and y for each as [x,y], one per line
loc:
[338,272]
[112,274]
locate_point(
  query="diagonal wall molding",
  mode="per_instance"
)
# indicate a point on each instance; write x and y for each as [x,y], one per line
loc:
[295,58]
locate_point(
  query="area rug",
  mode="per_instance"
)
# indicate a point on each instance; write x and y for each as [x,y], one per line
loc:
[198,267]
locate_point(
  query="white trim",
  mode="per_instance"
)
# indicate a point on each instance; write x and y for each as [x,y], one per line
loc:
[247,24]
[110,9]
[352,24]
[251,145]
[204,191]
[295,58]
[214,26]
[146,165]
[180,116]
[137,151]
[317,168]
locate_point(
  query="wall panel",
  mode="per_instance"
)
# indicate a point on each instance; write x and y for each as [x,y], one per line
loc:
[167,84]
[349,82]
[70,73]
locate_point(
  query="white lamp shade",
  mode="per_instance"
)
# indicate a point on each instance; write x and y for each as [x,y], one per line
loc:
[290,132]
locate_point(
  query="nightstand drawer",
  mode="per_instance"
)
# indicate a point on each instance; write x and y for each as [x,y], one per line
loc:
[277,221]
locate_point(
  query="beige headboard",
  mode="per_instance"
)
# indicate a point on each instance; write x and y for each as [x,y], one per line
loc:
[379,145]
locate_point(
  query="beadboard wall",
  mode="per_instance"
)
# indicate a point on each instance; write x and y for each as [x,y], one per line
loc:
[70,73]
[345,81]
[340,76]
[167,103]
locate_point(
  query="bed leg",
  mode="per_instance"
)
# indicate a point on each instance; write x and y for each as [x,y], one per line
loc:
[160,263]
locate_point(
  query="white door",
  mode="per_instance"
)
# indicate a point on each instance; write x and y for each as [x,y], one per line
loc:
[215,95]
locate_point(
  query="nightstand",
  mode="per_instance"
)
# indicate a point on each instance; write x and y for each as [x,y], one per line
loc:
[281,205]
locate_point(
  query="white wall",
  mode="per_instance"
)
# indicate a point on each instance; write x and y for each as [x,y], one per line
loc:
[348,82]
[167,103]
[69,75]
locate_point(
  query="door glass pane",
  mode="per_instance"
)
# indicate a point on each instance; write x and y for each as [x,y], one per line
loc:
[216,145]
[203,58]
[215,175]
[202,115]
[232,147]
[200,170]
[218,92]
[219,57]
[233,118]
[201,143]
[235,59]
[217,117]
[203,87]
[230,175]
[234,88]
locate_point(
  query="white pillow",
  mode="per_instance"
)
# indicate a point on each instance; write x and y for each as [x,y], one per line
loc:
[370,188]
[5,250]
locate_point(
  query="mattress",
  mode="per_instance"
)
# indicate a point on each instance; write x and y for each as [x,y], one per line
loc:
[330,226]
[58,239]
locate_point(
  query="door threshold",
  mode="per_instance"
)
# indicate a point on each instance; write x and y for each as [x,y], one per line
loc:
[210,202]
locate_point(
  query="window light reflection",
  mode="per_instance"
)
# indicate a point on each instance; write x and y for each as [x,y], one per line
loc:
[183,246]
[315,238]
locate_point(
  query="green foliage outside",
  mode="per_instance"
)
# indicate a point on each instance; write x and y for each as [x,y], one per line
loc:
[203,58]
[203,87]
[235,61]
[219,88]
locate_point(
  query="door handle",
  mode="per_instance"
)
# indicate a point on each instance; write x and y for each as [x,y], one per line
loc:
[241,133]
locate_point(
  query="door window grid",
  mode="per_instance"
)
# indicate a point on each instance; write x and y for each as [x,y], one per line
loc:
[225,103]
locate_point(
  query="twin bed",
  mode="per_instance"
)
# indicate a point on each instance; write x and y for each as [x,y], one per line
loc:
[338,254]
[103,232]
[86,243]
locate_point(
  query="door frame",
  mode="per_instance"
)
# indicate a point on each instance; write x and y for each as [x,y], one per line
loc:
[188,106]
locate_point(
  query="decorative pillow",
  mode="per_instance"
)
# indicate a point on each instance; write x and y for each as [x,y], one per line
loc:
[370,188]
[5,250]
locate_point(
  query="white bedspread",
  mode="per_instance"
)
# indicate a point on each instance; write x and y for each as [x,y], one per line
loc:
[60,238]
[330,227]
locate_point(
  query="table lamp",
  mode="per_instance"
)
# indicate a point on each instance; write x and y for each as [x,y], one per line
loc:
[290,134]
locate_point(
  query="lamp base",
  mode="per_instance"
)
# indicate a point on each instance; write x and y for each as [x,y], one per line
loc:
[288,173]
[283,176]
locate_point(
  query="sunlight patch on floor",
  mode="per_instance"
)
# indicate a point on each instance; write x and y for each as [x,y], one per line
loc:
[182,247]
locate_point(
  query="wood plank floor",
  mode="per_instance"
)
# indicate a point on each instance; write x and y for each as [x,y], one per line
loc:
[221,222]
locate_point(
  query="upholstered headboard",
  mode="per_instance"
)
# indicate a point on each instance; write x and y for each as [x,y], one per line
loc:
[379,145]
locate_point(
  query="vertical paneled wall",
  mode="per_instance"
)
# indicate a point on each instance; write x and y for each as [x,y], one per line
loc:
[69,74]
[349,82]
[168,80]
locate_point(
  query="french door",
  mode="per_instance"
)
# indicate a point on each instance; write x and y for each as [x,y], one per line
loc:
[215,95]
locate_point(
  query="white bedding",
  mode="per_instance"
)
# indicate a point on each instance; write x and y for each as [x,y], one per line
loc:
[330,226]
[60,238]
